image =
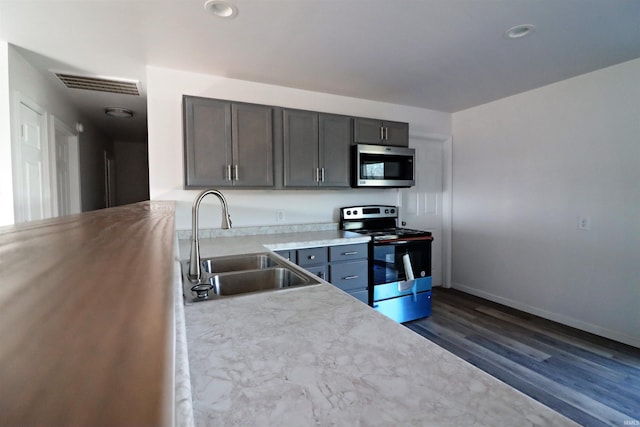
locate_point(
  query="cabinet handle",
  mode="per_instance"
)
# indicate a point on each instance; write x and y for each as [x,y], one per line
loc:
[350,277]
[350,253]
[321,174]
[229,176]
[317,174]
[382,133]
[235,170]
[311,257]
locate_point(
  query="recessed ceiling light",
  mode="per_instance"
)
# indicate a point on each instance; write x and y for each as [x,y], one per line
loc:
[118,112]
[519,31]
[221,9]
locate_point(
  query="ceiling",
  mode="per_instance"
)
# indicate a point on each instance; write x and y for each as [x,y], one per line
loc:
[446,55]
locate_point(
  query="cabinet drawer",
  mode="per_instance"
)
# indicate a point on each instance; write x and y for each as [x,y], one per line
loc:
[348,252]
[349,275]
[312,256]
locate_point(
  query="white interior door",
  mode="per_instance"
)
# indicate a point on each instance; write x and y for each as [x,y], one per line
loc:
[425,206]
[67,175]
[32,195]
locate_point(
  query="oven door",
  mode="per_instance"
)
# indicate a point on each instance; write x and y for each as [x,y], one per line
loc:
[383,166]
[393,292]
[387,267]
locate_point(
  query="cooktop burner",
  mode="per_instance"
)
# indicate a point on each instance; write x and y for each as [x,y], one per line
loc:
[378,221]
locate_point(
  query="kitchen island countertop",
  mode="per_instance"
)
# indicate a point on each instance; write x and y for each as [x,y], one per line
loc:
[86,318]
[317,356]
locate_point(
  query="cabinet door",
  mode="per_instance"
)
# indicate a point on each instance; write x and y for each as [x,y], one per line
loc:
[362,295]
[207,142]
[300,148]
[287,255]
[252,136]
[334,145]
[396,133]
[367,131]
[318,270]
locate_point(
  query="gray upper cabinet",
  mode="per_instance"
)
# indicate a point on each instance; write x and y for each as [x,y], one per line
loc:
[227,143]
[373,131]
[316,149]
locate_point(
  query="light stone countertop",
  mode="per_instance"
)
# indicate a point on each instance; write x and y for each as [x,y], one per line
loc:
[231,244]
[317,356]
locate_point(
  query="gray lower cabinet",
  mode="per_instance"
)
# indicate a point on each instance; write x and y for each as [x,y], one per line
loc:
[373,131]
[348,269]
[227,144]
[344,266]
[316,149]
[314,260]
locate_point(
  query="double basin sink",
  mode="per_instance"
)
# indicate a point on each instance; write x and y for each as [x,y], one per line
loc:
[229,276]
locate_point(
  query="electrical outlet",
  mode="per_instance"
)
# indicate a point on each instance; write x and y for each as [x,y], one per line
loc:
[584,223]
[280,217]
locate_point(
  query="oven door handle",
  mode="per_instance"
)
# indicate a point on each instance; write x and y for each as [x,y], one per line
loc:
[403,242]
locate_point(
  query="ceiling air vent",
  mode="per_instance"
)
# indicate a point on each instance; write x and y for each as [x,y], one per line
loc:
[102,84]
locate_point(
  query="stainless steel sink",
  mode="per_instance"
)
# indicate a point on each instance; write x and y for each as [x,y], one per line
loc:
[255,281]
[229,276]
[225,264]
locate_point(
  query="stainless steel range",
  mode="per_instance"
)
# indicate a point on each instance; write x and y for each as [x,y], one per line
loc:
[399,261]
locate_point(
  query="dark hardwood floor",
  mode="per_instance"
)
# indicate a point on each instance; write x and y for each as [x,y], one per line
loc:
[590,379]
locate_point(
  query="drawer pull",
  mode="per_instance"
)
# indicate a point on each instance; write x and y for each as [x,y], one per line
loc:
[350,253]
[350,277]
[311,257]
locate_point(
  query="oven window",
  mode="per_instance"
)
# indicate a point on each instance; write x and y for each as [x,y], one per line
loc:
[377,166]
[387,263]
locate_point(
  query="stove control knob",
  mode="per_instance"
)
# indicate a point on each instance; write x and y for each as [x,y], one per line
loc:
[348,212]
[386,211]
[393,211]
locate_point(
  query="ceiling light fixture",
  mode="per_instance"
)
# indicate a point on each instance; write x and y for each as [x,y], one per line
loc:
[519,31]
[221,9]
[118,112]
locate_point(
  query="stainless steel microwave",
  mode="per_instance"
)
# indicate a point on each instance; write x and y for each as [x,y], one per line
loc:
[382,166]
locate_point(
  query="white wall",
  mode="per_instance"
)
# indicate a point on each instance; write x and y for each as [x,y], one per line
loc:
[248,207]
[6,177]
[524,169]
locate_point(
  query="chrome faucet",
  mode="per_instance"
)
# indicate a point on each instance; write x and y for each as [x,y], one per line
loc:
[194,259]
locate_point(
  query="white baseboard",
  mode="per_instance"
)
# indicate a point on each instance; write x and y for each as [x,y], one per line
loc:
[556,317]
